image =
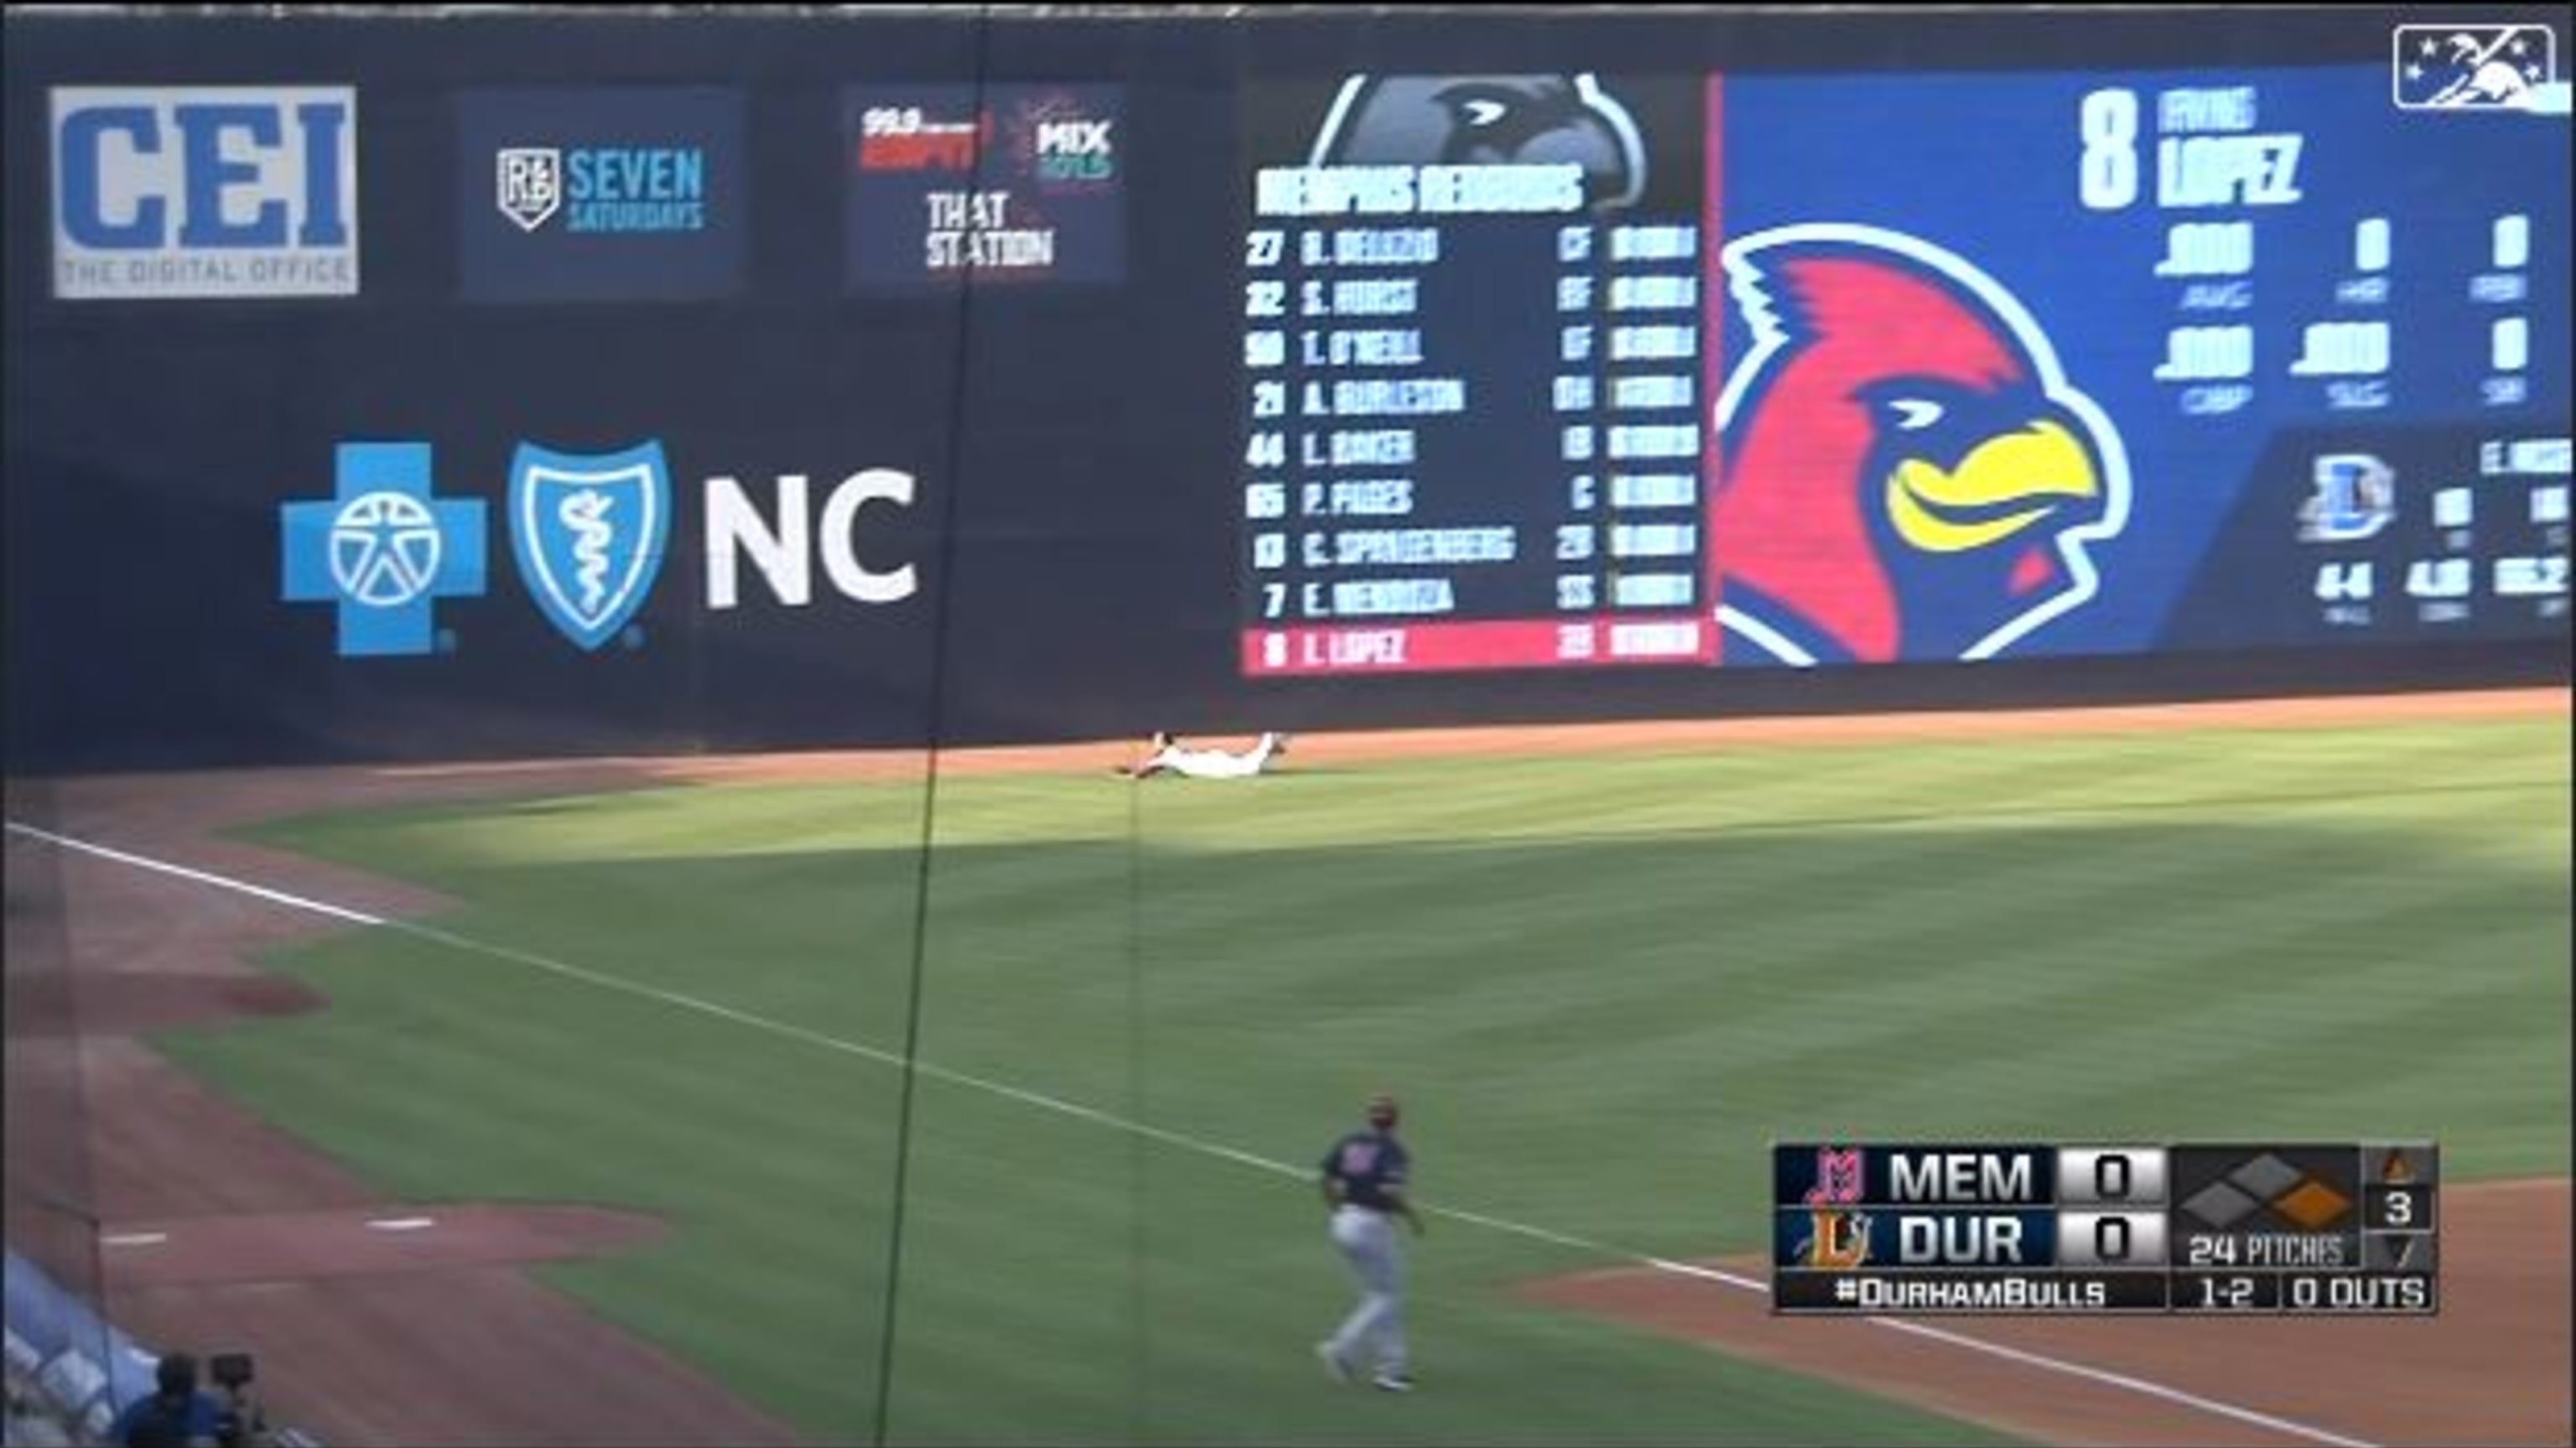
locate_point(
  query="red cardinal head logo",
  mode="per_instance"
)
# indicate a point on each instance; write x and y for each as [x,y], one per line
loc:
[1906,472]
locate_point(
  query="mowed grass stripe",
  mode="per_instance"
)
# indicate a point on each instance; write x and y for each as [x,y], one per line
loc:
[1936,1060]
[1503,918]
[2364,1007]
[1226,1255]
[516,1057]
[1882,964]
[1803,788]
[1606,985]
[823,1376]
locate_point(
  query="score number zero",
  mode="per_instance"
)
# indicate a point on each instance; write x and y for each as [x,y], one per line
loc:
[2115,1199]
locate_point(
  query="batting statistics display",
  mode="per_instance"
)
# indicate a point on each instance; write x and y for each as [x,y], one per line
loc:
[1587,369]
[2338,1229]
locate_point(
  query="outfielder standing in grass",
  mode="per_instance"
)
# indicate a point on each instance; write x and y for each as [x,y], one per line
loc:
[1363,1183]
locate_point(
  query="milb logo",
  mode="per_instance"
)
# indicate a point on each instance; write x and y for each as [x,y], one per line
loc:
[205,191]
[2476,68]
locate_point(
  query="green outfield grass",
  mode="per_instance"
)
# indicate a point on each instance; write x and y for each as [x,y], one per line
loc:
[1602,984]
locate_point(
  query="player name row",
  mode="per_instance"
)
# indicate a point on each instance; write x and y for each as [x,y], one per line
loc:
[1447,396]
[1574,543]
[1420,245]
[1401,296]
[1402,346]
[1398,497]
[2147,1291]
[1399,447]
[1265,298]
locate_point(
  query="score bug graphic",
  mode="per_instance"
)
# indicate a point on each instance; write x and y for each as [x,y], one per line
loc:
[2338,1228]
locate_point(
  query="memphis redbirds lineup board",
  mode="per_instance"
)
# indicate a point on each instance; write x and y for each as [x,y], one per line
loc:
[2349,1228]
[1744,369]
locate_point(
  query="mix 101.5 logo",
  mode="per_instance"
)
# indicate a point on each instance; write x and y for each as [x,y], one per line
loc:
[588,531]
[205,191]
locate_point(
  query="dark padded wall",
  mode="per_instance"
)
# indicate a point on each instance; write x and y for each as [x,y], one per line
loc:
[1076,447]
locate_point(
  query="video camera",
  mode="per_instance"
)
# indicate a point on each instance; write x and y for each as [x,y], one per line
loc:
[242,1422]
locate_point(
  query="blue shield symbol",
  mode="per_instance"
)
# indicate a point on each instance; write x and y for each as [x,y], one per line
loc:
[589,530]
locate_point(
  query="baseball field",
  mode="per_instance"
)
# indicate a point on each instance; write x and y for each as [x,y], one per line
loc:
[478,1070]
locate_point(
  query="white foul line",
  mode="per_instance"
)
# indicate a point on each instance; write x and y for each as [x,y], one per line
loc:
[202,877]
[1155,1133]
[2057,1365]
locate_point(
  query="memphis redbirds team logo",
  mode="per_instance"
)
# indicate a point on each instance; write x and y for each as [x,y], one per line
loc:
[1838,1176]
[1487,120]
[1905,470]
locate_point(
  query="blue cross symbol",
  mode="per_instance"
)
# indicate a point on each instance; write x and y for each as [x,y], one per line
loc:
[382,549]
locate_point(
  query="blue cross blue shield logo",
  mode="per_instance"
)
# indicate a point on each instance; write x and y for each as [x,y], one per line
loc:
[589,531]
[382,549]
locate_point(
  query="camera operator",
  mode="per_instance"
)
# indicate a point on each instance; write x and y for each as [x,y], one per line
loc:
[242,1424]
[177,1415]
[180,1415]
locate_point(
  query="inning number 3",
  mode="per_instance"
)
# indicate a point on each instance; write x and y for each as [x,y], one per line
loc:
[2107,178]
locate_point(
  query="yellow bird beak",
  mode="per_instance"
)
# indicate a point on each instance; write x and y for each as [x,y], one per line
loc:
[2005,485]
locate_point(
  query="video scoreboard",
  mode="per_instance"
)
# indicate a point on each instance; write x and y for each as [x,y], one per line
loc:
[2345,1228]
[1674,370]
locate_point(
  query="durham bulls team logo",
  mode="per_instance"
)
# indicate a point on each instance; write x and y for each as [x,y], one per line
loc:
[1906,472]
[1836,1241]
[589,532]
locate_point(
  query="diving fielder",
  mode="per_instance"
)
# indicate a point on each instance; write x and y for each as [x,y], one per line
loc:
[1170,756]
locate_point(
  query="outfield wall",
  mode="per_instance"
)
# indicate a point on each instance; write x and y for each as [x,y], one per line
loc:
[1025,491]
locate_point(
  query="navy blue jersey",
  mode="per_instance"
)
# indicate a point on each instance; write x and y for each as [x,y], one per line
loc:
[1367,1165]
[148,1422]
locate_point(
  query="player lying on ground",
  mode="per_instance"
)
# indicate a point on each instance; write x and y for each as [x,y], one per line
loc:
[1170,756]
